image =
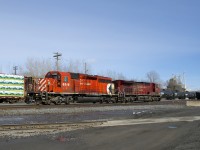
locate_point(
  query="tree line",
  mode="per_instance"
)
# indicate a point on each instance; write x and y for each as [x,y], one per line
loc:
[39,67]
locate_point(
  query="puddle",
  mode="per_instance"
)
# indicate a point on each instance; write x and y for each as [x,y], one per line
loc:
[11,119]
[172,127]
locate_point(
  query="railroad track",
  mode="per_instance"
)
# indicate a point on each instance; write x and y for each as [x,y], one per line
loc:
[27,106]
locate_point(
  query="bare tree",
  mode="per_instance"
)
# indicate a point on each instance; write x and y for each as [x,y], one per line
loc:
[37,67]
[78,66]
[153,77]
[121,76]
[175,84]
[20,70]
[114,75]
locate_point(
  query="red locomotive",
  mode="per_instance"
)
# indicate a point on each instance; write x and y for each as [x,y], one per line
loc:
[65,87]
[132,91]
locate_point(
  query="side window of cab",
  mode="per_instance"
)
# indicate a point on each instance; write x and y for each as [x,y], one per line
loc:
[66,79]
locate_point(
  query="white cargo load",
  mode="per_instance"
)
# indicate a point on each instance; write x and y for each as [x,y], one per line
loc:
[11,85]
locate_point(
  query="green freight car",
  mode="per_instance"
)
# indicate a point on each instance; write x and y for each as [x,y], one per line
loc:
[11,88]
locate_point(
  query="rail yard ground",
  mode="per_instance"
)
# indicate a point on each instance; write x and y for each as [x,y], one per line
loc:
[155,125]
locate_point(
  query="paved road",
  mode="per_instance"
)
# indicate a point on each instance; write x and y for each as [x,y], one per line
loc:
[159,136]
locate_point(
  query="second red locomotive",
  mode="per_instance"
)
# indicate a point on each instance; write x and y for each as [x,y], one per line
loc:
[134,91]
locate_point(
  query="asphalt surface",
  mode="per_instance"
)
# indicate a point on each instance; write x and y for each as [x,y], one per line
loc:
[161,136]
[166,129]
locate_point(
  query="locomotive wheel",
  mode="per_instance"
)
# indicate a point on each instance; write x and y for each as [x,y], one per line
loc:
[58,101]
[107,100]
[114,101]
[12,101]
[132,99]
[67,100]
[75,99]
[101,101]
[37,103]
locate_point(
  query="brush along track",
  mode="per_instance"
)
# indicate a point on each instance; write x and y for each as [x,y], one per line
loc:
[26,130]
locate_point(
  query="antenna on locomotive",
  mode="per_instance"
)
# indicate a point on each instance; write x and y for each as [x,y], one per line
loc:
[57,55]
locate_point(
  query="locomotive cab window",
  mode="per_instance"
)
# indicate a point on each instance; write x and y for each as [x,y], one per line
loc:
[52,75]
[66,79]
[49,75]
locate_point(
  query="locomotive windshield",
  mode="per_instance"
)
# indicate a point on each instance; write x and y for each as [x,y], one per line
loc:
[54,75]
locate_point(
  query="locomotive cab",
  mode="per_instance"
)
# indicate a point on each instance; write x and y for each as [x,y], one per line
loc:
[57,81]
[53,81]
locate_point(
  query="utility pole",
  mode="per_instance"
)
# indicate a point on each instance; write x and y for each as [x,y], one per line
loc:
[184,81]
[86,68]
[15,68]
[57,55]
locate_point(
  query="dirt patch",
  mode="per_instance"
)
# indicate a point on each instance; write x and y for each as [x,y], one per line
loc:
[14,131]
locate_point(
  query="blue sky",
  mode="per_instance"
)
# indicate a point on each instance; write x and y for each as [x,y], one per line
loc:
[131,37]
